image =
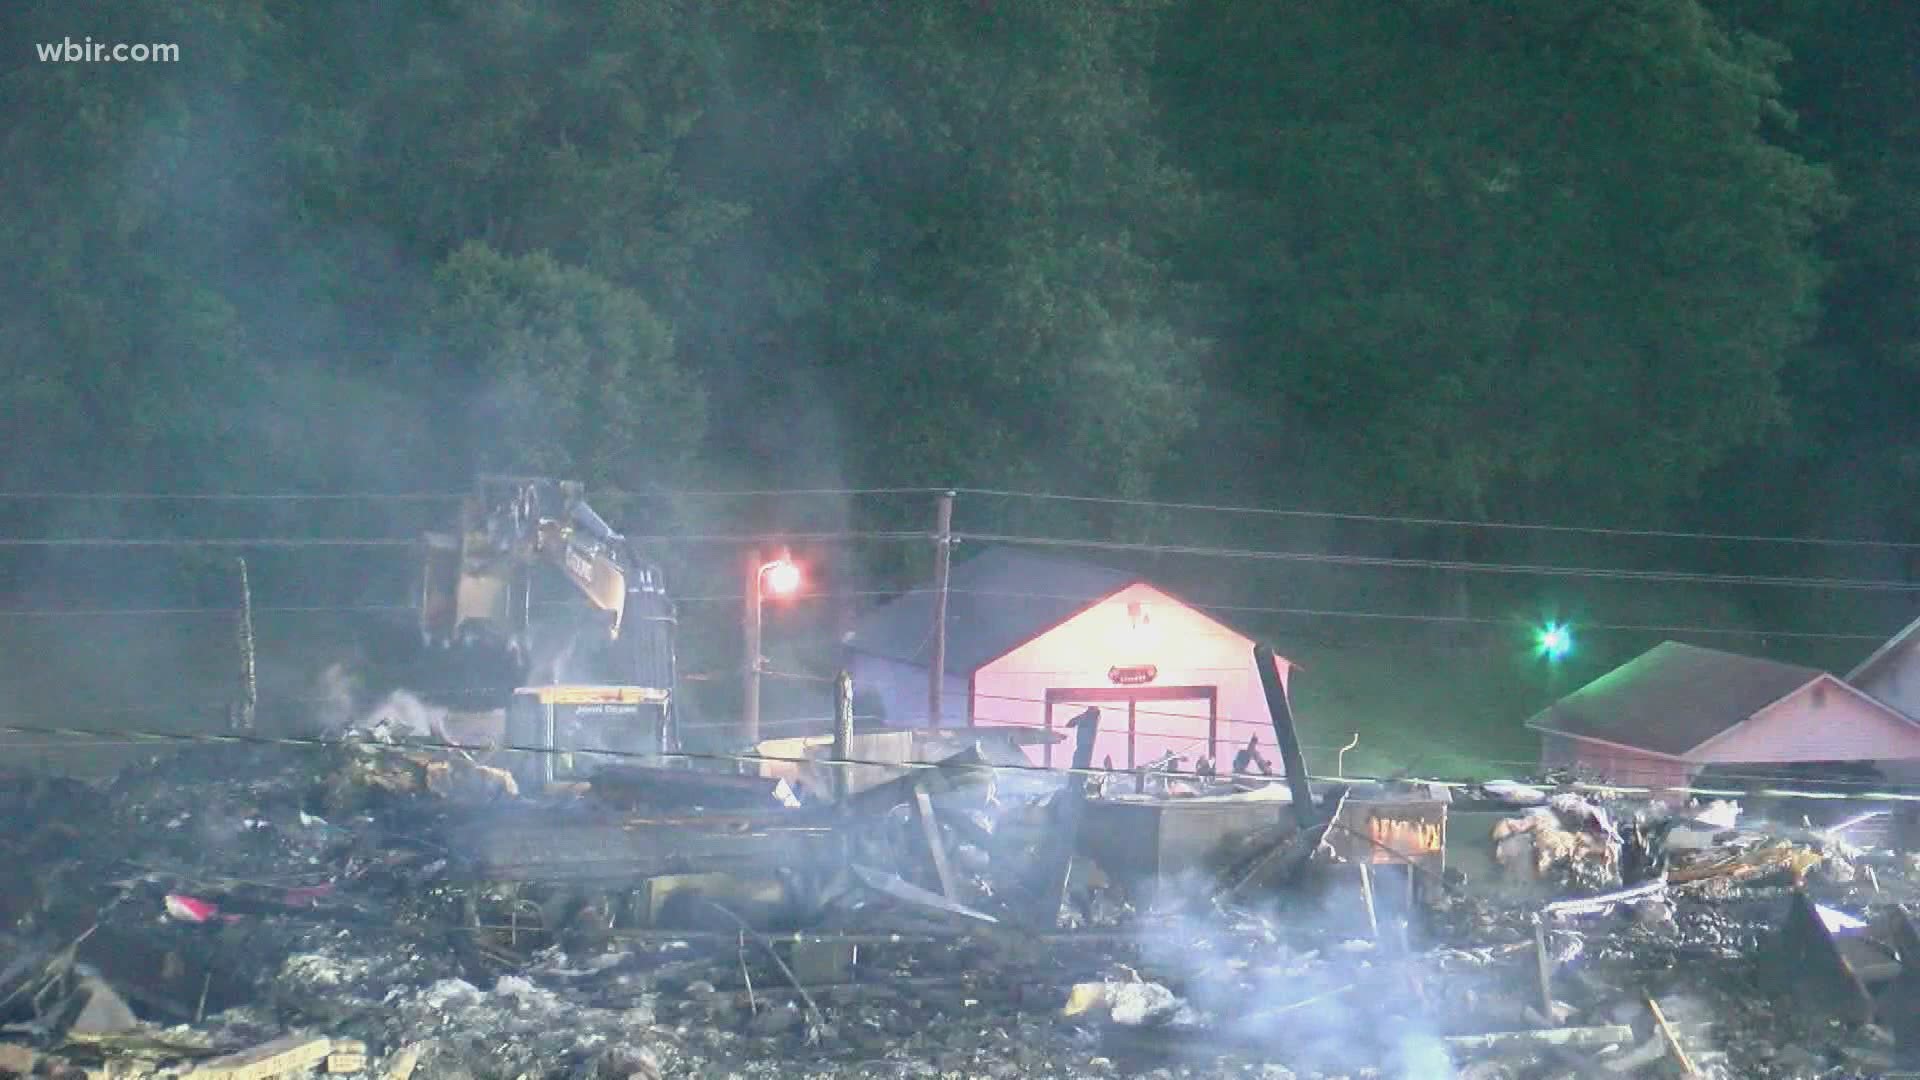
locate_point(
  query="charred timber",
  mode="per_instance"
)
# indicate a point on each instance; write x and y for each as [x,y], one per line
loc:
[612,849]
[1063,834]
[679,788]
[1285,735]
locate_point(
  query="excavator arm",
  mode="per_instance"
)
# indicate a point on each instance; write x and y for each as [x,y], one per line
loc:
[588,553]
[480,577]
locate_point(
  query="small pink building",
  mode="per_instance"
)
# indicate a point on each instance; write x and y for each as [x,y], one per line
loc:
[1033,640]
[1675,709]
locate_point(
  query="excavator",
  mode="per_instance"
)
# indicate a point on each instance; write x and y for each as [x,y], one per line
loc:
[554,637]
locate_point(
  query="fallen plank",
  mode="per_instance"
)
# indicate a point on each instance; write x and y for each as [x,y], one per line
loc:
[291,1053]
[1673,1040]
[1602,1035]
[1595,905]
[1639,1057]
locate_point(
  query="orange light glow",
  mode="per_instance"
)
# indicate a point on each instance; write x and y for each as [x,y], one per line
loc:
[781,577]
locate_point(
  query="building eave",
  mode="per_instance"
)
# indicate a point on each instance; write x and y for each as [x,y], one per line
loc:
[1823,679]
[1892,645]
[1541,727]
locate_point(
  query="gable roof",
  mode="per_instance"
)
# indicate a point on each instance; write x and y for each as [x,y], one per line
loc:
[1884,655]
[1672,698]
[996,600]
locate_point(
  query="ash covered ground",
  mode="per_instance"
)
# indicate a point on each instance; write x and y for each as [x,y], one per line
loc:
[211,901]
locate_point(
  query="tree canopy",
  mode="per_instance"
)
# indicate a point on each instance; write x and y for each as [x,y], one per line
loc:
[1585,260]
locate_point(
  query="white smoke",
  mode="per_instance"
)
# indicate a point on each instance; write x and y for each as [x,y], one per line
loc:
[337,711]
[1315,977]
[336,691]
[402,715]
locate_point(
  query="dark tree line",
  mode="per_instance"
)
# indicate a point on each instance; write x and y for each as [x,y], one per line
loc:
[1596,260]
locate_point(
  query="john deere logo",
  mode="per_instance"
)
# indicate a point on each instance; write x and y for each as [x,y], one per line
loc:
[1136,675]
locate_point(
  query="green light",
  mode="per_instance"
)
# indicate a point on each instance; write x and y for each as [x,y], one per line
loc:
[1555,641]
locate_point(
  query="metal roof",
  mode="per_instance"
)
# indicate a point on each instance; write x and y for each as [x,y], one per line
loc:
[1672,698]
[1000,598]
[1884,655]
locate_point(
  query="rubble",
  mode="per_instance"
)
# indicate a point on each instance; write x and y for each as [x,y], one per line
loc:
[239,908]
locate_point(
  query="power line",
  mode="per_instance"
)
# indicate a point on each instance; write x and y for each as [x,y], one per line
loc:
[1462,523]
[1394,562]
[236,496]
[441,496]
[403,541]
[858,492]
[207,542]
[1197,551]
[1252,554]
[734,598]
[1455,619]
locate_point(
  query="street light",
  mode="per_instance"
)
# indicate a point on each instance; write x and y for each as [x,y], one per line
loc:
[1555,641]
[779,578]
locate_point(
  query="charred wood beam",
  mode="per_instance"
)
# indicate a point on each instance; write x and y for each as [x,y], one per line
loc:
[1808,965]
[968,768]
[1284,734]
[936,846]
[680,788]
[1063,833]
[1287,858]
[613,851]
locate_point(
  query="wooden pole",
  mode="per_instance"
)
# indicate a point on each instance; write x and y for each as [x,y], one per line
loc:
[842,735]
[942,564]
[750,624]
[249,675]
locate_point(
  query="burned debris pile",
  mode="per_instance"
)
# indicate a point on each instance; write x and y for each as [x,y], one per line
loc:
[395,910]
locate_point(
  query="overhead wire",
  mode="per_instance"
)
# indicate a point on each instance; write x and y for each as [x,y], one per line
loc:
[414,541]
[1442,522]
[1071,543]
[1414,520]
[1232,609]
[442,496]
[1193,550]
[1453,565]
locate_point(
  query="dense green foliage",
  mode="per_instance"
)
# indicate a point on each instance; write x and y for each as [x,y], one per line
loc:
[1587,261]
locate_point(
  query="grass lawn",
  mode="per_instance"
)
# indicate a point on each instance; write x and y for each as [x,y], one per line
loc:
[1434,713]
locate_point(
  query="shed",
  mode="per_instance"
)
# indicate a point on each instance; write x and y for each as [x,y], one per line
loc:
[1674,709]
[1033,639]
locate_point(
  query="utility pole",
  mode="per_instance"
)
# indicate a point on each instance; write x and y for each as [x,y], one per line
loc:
[942,563]
[750,621]
[249,678]
[842,735]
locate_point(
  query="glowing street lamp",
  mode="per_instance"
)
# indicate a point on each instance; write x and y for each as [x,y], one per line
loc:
[780,577]
[1554,641]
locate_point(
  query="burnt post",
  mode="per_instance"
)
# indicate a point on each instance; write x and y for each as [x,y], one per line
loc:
[750,627]
[842,735]
[1063,835]
[1283,733]
[942,565]
[249,678]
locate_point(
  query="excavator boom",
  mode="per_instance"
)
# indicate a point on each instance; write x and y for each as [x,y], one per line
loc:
[509,525]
